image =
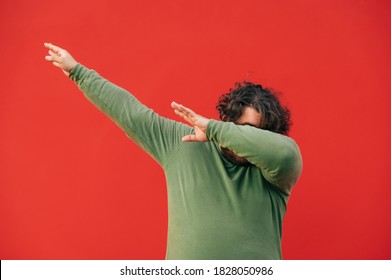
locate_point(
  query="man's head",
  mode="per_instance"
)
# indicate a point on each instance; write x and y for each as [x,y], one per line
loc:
[274,116]
[251,104]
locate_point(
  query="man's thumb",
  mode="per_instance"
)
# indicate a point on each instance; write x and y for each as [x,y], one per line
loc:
[189,138]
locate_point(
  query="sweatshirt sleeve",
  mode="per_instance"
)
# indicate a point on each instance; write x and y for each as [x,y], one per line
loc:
[158,136]
[277,156]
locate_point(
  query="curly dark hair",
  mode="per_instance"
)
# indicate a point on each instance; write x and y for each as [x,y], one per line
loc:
[274,116]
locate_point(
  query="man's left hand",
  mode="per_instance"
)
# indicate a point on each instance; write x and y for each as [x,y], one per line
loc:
[197,121]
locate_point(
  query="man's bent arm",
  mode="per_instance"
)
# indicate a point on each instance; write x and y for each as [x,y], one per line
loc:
[277,156]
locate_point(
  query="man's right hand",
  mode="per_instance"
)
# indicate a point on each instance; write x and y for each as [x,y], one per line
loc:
[60,58]
[199,123]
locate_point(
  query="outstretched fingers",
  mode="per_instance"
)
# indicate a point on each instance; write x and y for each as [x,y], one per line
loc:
[54,53]
[60,58]
[53,47]
[198,122]
[184,112]
[54,56]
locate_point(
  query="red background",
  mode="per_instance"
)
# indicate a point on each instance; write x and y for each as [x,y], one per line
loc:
[73,186]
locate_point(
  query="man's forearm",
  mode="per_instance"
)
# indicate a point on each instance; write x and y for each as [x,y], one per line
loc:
[122,107]
[276,155]
[158,136]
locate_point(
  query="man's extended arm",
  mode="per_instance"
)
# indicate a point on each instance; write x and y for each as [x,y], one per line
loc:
[158,136]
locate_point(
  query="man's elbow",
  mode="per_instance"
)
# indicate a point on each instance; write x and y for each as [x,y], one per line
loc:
[290,169]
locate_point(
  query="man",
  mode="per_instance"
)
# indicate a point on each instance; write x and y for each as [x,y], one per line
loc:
[228,181]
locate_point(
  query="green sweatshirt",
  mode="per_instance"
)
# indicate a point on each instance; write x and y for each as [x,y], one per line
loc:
[216,209]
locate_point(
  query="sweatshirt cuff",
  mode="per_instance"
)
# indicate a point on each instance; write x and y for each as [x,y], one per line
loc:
[212,129]
[77,72]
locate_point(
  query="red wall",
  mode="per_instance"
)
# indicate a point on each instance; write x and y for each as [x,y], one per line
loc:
[72,186]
